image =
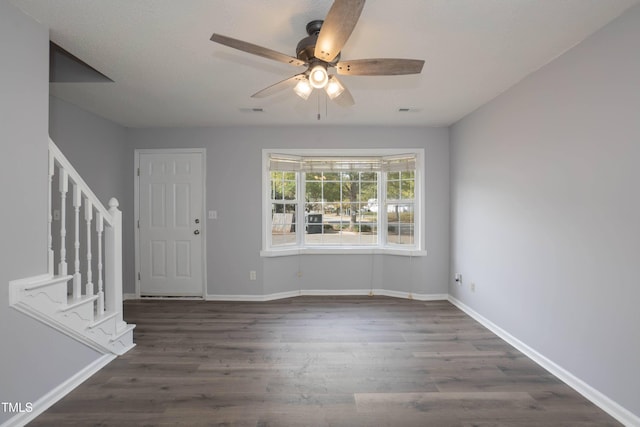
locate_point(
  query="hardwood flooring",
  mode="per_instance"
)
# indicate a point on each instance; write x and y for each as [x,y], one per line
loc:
[319,361]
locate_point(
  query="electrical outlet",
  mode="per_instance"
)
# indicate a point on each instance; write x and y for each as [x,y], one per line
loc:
[56,215]
[252,275]
[458,278]
[213,214]
[473,287]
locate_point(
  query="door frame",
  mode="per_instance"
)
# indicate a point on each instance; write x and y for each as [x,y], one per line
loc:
[136,209]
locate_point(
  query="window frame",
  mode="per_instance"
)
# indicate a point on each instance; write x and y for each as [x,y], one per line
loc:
[382,246]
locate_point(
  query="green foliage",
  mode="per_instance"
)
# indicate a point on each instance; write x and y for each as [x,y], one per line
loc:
[401,185]
[283,185]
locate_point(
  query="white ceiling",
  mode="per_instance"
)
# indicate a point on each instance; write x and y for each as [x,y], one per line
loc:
[168,73]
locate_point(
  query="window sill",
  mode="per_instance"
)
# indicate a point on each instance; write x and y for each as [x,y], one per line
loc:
[270,253]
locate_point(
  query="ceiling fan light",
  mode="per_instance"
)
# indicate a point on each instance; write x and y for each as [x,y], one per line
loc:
[318,77]
[334,88]
[303,89]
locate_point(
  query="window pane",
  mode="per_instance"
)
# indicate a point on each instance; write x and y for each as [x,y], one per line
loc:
[400,208]
[368,190]
[342,202]
[408,189]
[350,191]
[400,224]
[331,192]
[283,185]
[289,190]
[313,191]
[369,176]
[393,190]
[283,227]
[408,175]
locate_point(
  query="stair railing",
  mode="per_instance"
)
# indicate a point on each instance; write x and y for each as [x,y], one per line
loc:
[102,237]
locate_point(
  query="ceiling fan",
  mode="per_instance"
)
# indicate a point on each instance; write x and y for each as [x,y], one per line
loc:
[320,51]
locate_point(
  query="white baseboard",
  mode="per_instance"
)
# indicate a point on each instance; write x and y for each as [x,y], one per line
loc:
[128,296]
[605,403]
[46,401]
[329,292]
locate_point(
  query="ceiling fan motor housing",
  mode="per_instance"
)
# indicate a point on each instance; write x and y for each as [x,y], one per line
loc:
[305,51]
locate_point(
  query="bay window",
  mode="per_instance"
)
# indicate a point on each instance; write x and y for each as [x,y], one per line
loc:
[342,201]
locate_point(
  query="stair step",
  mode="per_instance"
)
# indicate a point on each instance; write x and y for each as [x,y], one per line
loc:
[75,303]
[105,318]
[47,282]
[124,331]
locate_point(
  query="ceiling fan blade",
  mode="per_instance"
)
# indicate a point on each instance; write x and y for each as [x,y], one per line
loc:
[345,99]
[256,50]
[380,67]
[268,91]
[337,27]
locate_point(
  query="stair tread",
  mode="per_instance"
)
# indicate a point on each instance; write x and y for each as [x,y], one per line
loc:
[47,282]
[108,315]
[73,303]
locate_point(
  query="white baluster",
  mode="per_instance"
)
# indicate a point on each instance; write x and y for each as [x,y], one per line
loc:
[99,230]
[88,216]
[77,278]
[52,169]
[63,187]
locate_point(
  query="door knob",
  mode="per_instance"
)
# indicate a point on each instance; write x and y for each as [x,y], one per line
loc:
[197,221]
[196,232]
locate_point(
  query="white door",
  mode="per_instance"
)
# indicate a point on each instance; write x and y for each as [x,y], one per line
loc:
[171,236]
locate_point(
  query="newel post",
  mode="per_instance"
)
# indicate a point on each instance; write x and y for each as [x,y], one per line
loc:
[113,263]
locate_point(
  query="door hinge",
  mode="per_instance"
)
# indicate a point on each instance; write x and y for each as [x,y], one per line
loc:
[138,276]
[138,171]
[138,223]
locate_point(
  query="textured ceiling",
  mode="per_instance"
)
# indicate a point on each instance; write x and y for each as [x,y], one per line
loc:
[167,72]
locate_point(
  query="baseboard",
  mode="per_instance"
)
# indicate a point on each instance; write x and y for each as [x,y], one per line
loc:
[411,295]
[328,292]
[129,296]
[605,403]
[46,401]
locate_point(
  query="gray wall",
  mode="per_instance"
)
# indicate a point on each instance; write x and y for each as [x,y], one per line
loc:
[35,358]
[96,148]
[234,240]
[546,210]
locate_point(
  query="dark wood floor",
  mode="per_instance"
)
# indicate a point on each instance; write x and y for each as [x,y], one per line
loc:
[316,361]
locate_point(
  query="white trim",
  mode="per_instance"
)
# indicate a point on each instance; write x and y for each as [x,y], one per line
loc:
[136,210]
[599,399]
[46,401]
[329,292]
[340,250]
[129,296]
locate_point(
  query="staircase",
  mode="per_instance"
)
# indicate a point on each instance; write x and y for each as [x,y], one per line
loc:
[85,303]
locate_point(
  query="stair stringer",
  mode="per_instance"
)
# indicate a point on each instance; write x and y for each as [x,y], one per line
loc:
[44,298]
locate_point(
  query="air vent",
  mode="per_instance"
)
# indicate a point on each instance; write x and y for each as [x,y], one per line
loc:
[408,110]
[252,110]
